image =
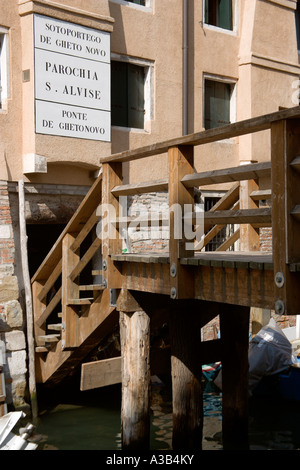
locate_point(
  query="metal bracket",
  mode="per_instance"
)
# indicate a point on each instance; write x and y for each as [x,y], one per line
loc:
[173,270]
[173,293]
[279,279]
[279,307]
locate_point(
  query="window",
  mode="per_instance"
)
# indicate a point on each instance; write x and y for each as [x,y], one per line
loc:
[218,103]
[145,5]
[219,13]
[128,94]
[4,86]
[223,234]
[138,2]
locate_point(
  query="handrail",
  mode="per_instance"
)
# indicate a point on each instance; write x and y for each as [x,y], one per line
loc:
[75,224]
[247,126]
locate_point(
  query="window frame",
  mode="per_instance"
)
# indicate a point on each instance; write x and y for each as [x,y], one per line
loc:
[233,98]
[4,69]
[148,7]
[148,89]
[234,29]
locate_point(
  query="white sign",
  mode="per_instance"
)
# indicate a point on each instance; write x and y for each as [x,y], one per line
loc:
[72,80]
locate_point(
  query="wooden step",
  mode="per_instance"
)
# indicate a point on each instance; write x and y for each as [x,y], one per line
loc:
[86,301]
[41,349]
[56,326]
[48,338]
[92,287]
[261,194]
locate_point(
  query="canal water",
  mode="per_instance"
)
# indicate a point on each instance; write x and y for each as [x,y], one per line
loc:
[91,421]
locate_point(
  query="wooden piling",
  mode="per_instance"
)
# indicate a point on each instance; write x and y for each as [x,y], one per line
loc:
[186,377]
[135,348]
[234,323]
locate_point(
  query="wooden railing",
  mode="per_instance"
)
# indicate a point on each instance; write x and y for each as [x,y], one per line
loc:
[243,211]
[59,289]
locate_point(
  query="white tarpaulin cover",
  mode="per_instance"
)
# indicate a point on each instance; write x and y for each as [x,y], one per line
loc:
[270,352]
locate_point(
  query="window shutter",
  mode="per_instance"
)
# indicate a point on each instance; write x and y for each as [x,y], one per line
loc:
[217,104]
[222,103]
[1,52]
[136,105]
[119,96]
[225,14]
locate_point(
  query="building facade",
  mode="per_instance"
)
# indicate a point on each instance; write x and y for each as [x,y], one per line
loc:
[82,79]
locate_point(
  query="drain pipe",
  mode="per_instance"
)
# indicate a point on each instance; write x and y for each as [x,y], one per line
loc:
[185,68]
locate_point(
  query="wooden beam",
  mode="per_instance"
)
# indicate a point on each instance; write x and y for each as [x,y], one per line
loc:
[85,258]
[285,149]
[230,241]
[51,280]
[70,289]
[261,194]
[85,230]
[135,350]
[245,216]
[49,309]
[249,236]
[181,160]
[100,319]
[28,301]
[100,373]
[186,378]
[112,241]
[235,391]
[141,188]
[89,203]
[247,126]
[239,173]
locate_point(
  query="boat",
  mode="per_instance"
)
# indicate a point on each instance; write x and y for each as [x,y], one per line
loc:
[11,441]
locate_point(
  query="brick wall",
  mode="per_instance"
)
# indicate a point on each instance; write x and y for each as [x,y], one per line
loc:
[12,335]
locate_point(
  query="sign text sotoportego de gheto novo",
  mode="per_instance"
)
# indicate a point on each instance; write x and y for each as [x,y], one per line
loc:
[72,80]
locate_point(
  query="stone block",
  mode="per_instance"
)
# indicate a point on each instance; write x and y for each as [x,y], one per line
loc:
[15,364]
[14,340]
[9,289]
[14,314]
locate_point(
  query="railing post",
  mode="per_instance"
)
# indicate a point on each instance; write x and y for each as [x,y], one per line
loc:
[249,236]
[285,152]
[181,201]
[112,241]
[70,290]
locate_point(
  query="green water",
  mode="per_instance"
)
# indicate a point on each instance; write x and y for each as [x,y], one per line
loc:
[91,421]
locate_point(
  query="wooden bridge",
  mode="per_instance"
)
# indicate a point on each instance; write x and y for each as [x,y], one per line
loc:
[87,286]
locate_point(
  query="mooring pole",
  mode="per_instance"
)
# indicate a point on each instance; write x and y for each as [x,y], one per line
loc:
[186,376]
[135,350]
[234,323]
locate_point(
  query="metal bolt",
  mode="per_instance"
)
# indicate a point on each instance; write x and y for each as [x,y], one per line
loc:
[173,270]
[279,307]
[63,327]
[279,279]
[104,264]
[173,293]
[63,344]
[104,283]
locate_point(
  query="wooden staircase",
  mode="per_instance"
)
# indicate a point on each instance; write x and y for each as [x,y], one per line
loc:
[72,311]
